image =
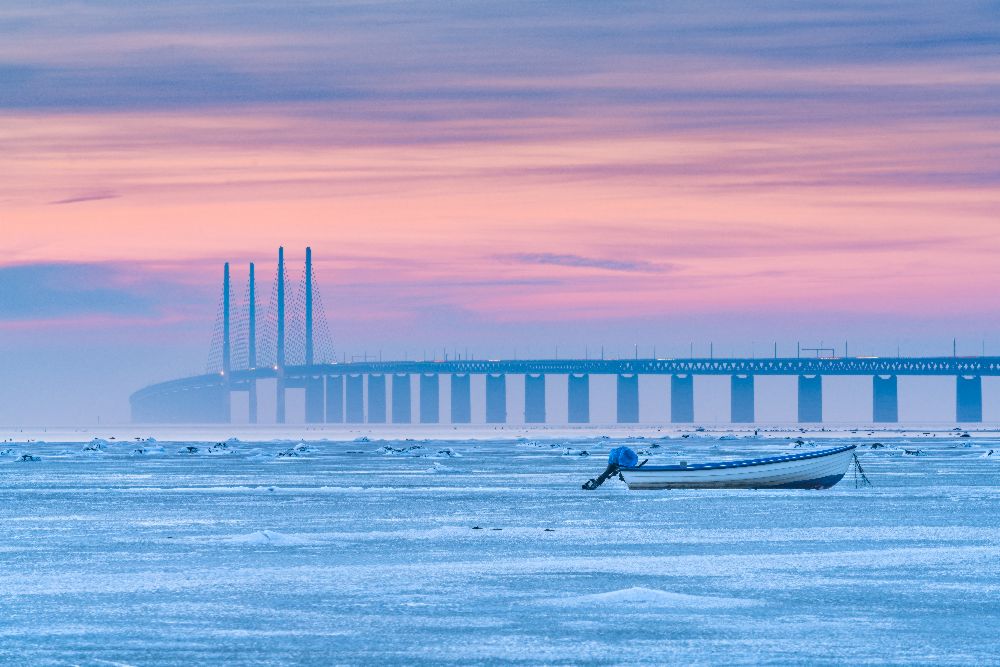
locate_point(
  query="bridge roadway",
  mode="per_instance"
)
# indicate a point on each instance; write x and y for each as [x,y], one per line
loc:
[356,392]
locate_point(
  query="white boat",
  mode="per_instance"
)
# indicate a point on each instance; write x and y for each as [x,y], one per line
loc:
[808,470]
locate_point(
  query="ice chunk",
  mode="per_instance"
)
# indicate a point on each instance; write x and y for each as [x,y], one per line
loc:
[412,450]
[96,445]
[447,453]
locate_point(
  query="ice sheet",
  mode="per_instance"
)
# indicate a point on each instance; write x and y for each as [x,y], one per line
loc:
[294,549]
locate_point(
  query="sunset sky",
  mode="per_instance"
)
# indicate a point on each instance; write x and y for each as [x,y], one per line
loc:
[506,176]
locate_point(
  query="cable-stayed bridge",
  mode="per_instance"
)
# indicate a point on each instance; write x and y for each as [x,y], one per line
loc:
[291,345]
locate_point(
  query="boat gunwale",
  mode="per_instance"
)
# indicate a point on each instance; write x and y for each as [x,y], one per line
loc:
[745,463]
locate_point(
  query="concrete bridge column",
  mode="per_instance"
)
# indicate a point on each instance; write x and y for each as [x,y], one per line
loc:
[810,398]
[628,399]
[335,399]
[355,399]
[401,413]
[681,399]
[461,399]
[430,398]
[279,398]
[741,402]
[968,398]
[252,401]
[496,399]
[376,399]
[227,404]
[885,398]
[579,399]
[534,399]
[314,400]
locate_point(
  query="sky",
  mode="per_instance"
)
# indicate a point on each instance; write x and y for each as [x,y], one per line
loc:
[505,177]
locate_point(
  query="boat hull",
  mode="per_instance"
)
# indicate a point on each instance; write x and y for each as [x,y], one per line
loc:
[814,470]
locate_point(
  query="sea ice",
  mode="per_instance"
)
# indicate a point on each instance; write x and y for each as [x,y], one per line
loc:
[379,557]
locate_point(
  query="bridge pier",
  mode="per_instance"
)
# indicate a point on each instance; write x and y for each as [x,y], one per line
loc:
[810,398]
[376,398]
[496,398]
[401,412]
[628,399]
[741,403]
[968,398]
[279,399]
[252,401]
[885,398]
[578,398]
[335,399]
[461,398]
[355,399]
[314,400]
[534,399]
[681,399]
[430,398]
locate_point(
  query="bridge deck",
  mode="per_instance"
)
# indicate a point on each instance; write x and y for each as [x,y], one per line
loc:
[971,366]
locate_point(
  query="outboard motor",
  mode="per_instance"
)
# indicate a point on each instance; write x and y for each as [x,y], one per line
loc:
[619,457]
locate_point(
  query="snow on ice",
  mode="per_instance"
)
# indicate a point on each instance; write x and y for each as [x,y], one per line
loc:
[417,545]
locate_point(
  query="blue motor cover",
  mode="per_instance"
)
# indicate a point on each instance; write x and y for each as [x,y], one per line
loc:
[623,457]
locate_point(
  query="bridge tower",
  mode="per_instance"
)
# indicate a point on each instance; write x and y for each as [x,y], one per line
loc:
[252,345]
[279,363]
[227,349]
[314,385]
[309,308]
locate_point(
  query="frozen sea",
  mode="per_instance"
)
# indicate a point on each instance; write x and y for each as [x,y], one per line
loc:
[445,548]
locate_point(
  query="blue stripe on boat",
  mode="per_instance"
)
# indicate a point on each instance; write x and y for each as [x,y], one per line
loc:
[749,462]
